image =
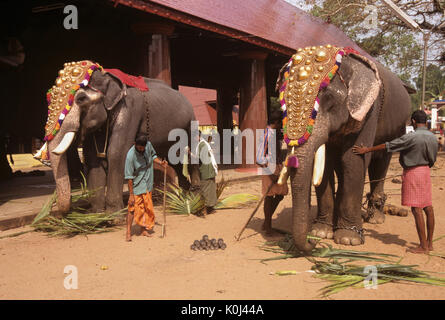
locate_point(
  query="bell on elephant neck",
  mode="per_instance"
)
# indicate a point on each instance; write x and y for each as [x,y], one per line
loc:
[292,160]
[101,155]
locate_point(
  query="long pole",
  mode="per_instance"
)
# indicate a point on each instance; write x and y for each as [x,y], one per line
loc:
[426,37]
[163,209]
[254,211]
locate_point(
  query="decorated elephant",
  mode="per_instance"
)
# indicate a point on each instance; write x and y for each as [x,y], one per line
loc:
[104,109]
[334,98]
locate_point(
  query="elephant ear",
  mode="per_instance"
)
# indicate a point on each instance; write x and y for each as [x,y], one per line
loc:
[115,91]
[364,87]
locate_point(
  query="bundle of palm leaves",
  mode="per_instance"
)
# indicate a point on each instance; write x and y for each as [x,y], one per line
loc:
[337,268]
[344,275]
[286,248]
[180,201]
[186,202]
[75,223]
[78,221]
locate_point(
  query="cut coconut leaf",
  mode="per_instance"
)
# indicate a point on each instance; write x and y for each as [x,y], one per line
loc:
[346,276]
[79,223]
[46,209]
[184,202]
[237,201]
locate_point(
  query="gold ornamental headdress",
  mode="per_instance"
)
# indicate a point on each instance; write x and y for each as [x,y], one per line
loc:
[308,72]
[60,97]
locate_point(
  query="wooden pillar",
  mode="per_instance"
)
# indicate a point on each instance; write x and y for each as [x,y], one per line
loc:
[157,57]
[253,98]
[224,105]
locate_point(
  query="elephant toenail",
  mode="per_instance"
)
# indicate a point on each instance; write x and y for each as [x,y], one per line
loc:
[345,241]
[330,235]
[355,242]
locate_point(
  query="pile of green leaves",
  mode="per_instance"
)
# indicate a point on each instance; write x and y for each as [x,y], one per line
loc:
[334,265]
[344,275]
[78,221]
[181,201]
[75,223]
[186,202]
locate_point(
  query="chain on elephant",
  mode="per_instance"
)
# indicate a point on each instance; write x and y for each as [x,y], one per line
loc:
[375,208]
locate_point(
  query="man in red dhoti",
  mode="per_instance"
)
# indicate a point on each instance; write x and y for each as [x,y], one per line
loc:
[418,152]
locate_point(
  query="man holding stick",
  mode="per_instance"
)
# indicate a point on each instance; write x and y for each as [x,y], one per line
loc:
[418,151]
[265,156]
[139,173]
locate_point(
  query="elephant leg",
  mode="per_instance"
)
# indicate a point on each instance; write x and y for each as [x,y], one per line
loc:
[351,176]
[324,223]
[115,182]
[116,155]
[96,176]
[376,199]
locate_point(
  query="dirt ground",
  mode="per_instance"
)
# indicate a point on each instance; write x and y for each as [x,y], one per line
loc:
[32,265]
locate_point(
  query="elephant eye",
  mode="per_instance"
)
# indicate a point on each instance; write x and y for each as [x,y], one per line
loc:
[82,99]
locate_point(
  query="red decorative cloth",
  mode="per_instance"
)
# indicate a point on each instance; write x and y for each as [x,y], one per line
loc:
[416,187]
[129,80]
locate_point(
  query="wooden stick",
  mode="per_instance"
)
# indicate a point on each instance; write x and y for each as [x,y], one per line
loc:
[254,211]
[163,209]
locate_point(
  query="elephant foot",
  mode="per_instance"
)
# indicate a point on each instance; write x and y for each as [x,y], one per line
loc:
[347,237]
[376,218]
[322,230]
[395,211]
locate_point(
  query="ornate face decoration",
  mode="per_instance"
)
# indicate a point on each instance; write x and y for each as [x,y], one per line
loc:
[60,97]
[307,72]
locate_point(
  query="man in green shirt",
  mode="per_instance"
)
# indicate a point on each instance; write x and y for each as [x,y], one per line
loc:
[208,170]
[418,151]
[139,173]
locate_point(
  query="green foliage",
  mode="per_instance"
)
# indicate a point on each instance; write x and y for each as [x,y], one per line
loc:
[77,221]
[434,86]
[334,265]
[185,202]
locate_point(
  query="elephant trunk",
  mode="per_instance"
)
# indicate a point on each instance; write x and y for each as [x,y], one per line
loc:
[301,181]
[59,165]
[57,148]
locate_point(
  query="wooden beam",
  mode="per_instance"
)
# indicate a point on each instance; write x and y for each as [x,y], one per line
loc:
[253,104]
[159,58]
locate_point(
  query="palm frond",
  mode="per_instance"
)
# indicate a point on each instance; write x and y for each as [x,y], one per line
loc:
[337,269]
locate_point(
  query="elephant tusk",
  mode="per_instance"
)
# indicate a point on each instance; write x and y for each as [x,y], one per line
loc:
[65,143]
[38,154]
[319,162]
[284,174]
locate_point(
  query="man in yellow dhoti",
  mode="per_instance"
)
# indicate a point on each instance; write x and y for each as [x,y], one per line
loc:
[139,173]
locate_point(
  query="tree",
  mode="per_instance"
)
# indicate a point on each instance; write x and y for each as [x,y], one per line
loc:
[434,86]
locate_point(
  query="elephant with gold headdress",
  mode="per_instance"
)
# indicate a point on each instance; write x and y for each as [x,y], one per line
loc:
[104,109]
[334,98]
